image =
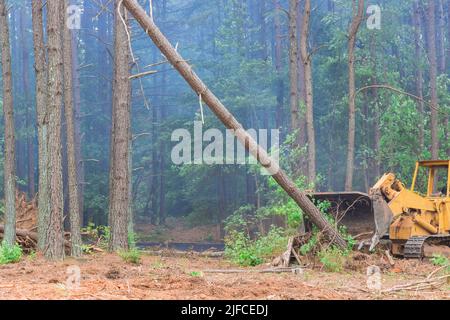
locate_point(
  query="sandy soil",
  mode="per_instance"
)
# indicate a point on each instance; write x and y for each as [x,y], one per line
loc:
[106,276]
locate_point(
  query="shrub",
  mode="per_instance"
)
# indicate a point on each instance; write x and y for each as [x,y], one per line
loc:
[333,259]
[99,235]
[130,256]
[242,250]
[10,254]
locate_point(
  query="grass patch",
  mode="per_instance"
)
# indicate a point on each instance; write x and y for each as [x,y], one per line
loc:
[10,254]
[333,259]
[132,256]
[196,274]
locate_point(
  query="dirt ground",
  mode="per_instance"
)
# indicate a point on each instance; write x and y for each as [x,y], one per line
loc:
[108,277]
[176,230]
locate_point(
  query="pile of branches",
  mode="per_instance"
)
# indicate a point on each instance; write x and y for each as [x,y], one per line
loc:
[293,251]
[26,225]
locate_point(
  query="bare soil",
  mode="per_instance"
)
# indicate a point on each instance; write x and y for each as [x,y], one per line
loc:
[108,277]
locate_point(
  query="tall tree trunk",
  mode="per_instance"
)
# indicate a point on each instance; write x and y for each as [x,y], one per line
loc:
[40,65]
[74,205]
[119,192]
[54,246]
[8,112]
[419,73]
[294,87]
[441,33]
[306,58]
[442,62]
[302,93]
[278,65]
[26,90]
[358,14]
[230,122]
[76,109]
[431,17]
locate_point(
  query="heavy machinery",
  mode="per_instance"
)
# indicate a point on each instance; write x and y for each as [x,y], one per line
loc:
[416,221]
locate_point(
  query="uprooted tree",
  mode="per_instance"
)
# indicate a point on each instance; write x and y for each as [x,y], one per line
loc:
[186,71]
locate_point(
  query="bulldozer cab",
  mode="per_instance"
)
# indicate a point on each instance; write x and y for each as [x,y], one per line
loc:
[432,179]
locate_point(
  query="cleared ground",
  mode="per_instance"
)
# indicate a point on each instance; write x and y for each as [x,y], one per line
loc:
[107,276]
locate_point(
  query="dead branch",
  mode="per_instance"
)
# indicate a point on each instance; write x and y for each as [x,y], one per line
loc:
[275,270]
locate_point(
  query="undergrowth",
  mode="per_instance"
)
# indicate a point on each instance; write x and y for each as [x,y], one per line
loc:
[132,255]
[10,254]
[441,261]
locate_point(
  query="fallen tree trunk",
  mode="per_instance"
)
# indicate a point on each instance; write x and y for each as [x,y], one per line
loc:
[23,235]
[230,122]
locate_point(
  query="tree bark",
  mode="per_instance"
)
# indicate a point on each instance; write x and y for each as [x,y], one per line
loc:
[74,205]
[306,58]
[8,112]
[443,63]
[54,242]
[302,141]
[358,14]
[40,66]
[119,193]
[230,122]
[419,73]
[431,17]
[26,89]
[278,66]
[294,87]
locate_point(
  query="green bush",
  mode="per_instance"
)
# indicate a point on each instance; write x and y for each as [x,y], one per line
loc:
[10,254]
[100,235]
[130,256]
[333,259]
[242,250]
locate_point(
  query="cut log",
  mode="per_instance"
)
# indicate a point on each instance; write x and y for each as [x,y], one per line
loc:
[180,64]
[22,234]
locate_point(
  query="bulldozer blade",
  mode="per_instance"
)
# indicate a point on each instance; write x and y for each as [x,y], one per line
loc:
[354,210]
[360,213]
[382,215]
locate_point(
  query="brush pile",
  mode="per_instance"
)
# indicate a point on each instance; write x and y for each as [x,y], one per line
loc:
[27,213]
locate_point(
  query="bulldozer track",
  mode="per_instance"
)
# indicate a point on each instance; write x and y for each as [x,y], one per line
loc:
[414,247]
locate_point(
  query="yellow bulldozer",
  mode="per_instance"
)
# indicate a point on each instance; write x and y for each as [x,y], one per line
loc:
[415,220]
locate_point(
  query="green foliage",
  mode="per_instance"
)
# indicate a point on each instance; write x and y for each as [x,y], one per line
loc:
[196,274]
[247,252]
[98,235]
[132,255]
[132,239]
[10,254]
[441,261]
[333,259]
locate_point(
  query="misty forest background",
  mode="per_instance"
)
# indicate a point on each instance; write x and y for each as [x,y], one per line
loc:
[243,49]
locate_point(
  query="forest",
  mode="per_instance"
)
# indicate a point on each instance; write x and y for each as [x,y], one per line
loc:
[117,140]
